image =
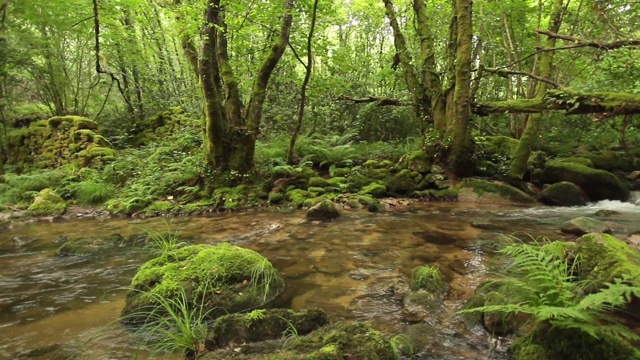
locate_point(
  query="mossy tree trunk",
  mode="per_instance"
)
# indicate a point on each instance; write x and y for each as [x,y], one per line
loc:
[443,102]
[518,166]
[231,128]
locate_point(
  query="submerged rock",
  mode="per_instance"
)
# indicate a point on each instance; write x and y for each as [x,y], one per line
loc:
[337,341]
[261,325]
[483,191]
[86,245]
[224,278]
[584,225]
[325,210]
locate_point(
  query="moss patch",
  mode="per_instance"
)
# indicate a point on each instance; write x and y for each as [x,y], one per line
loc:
[225,278]
[488,191]
[47,203]
[598,184]
[605,257]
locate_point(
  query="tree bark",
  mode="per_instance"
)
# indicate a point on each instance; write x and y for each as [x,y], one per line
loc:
[518,166]
[230,129]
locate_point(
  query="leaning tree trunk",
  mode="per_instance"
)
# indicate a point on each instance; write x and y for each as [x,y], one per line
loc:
[230,129]
[518,166]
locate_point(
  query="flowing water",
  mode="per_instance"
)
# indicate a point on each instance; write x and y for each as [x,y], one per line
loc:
[67,307]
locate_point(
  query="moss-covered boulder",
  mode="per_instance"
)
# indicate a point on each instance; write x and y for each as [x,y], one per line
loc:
[374,189]
[419,161]
[563,194]
[263,324]
[598,184]
[337,341]
[47,203]
[605,257]
[584,225]
[484,191]
[224,278]
[325,210]
[403,183]
[570,344]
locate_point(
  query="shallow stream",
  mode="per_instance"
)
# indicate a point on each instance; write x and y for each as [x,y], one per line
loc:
[67,307]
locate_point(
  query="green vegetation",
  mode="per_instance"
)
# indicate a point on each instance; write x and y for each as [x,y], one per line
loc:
[542,286]
[401,344]
[426,277]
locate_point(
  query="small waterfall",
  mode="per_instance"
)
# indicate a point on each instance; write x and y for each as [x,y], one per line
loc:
[635,198]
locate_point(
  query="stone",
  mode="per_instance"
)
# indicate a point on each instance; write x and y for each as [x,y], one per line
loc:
[325,210]
[605,258]
[224,277]
[597,184]
[483,191]
[563,194]
[47,203]
[584,225]
[374,189]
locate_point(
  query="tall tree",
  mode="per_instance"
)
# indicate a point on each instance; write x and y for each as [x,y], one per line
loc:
[440,98]
[231,128]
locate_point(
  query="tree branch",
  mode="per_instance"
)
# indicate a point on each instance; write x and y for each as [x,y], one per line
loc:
[505,72]
[579,43]
[380,100]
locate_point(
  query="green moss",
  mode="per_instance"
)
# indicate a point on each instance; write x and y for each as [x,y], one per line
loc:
[578,160]
[159,206]
[46,203]
[275,198]
[374,164]
[419,161]
[87,245]
[261,325]
[317,182]
[128,206]
[358,181]
[374,189]
[403,183]
[316,190]
[604,258]
[297,196]
[598,184]
[224,277]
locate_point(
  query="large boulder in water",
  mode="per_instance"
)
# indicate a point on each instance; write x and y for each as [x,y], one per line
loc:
[483,191]
[563,194]
[598,184]
[224,278]
[604,258]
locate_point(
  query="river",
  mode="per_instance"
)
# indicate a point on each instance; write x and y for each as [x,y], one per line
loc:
[67,307]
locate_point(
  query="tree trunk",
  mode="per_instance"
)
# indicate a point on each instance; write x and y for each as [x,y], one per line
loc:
[518,166]
[230,129]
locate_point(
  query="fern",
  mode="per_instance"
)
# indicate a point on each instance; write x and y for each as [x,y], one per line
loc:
[550,294]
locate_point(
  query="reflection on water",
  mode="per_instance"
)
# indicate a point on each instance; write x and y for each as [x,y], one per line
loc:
[53,307]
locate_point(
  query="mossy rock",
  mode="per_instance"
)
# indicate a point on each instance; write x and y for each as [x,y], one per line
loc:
[563,194]
[584,225]
[336,341]
[81,123]
[341,172]
[128,206]
[100,151]
[419,161]
[605,258]
[297,196]
[373,164]
[264,324]
[358,181]
[402,183]
[225,278]
[598,184]
[374,189]
[570,344]
[87,245]
[490,192]
[317,182]
[578,160]
[47,203]
[325,210]
[317,190]
[275,198]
